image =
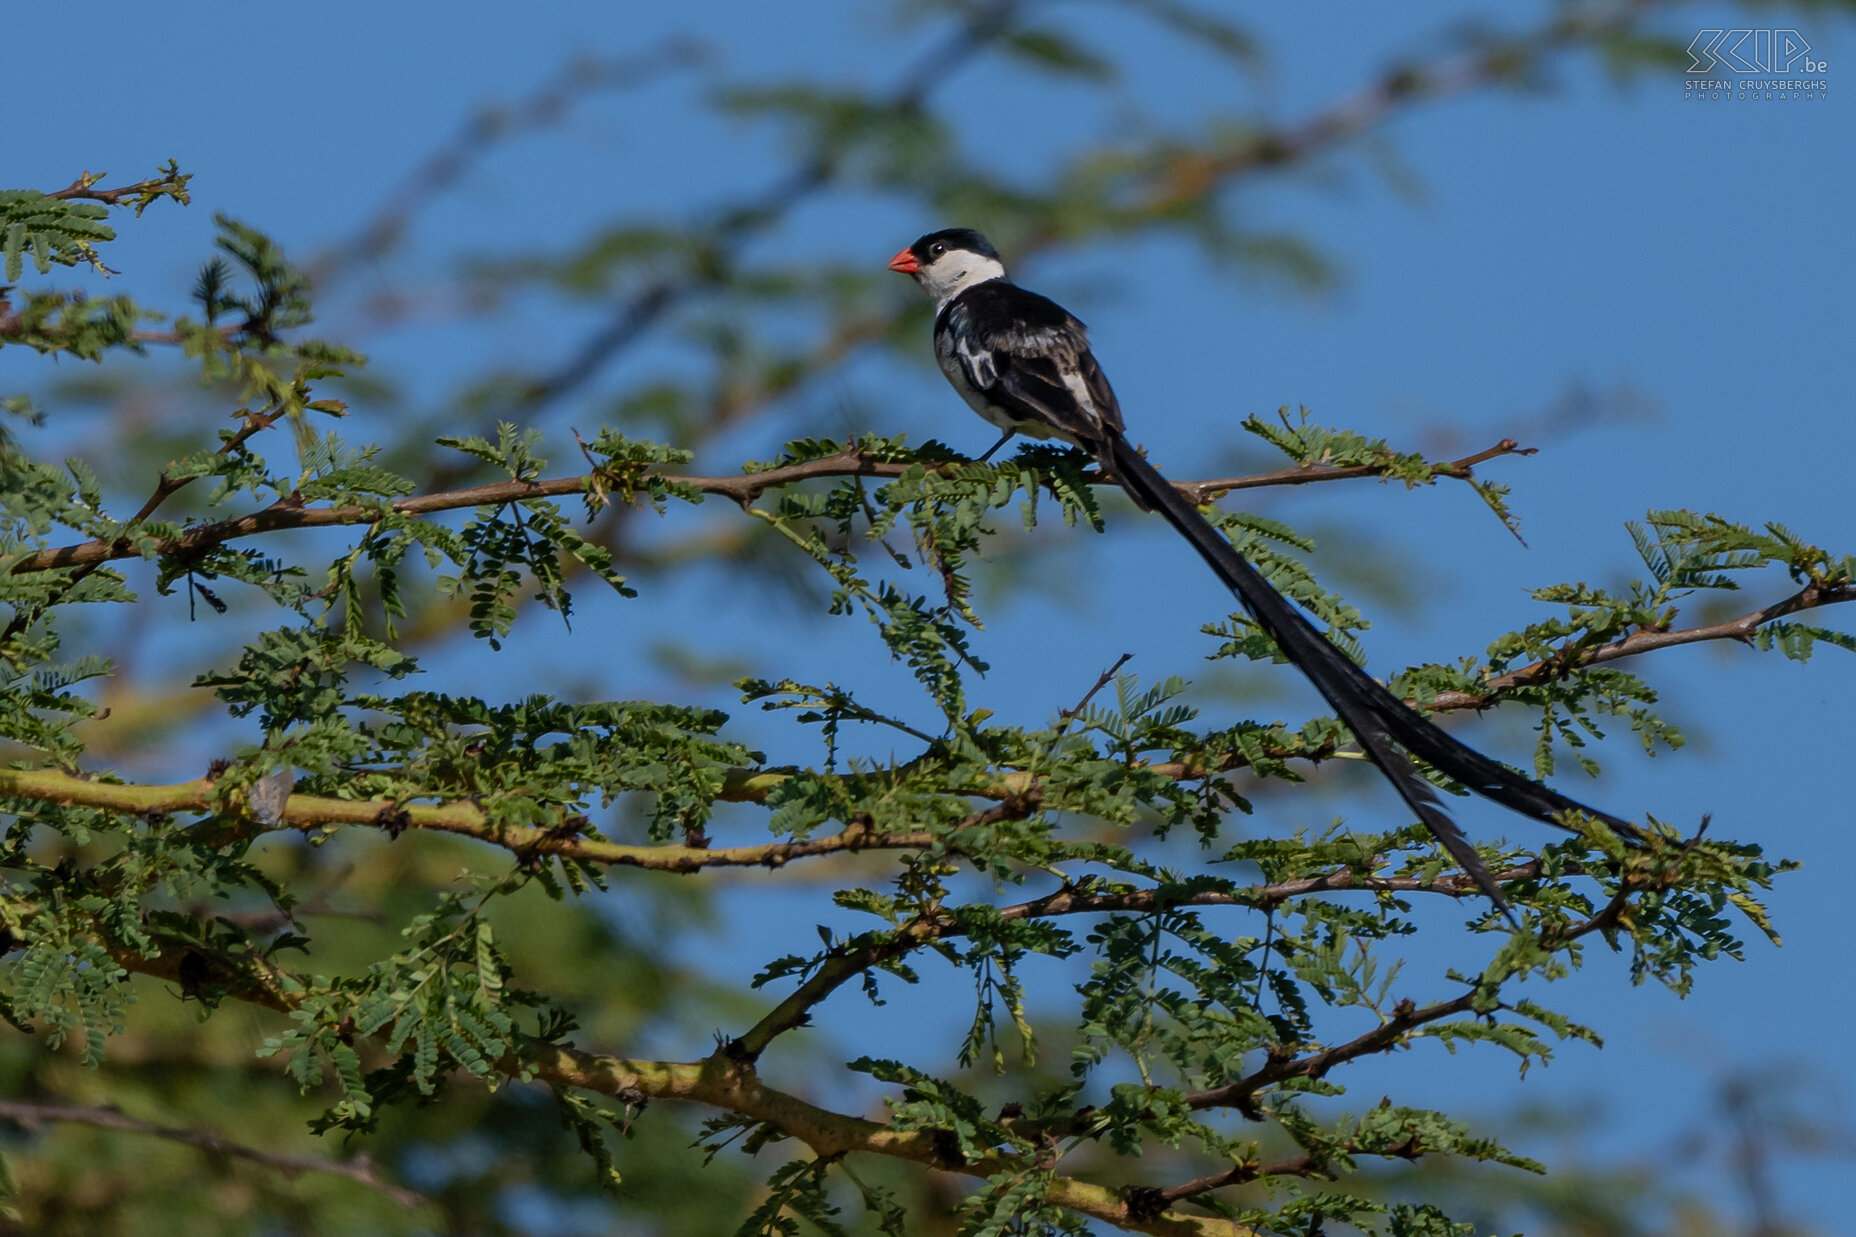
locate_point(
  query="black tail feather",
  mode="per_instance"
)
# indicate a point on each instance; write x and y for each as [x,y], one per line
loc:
[1379,720]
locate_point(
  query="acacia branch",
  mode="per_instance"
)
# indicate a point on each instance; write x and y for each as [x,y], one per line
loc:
[1016,791]
[309,813]
[1407,1016]
[1304,1165]
[721,1081]
[1647,640]
[84,189]
[846,963]
[165,488]
[741,488]
[727,1080]
[360,1168]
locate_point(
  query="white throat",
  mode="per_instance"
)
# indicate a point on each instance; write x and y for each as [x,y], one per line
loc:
[955,272]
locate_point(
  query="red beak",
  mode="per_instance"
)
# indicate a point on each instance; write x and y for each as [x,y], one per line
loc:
[905,262]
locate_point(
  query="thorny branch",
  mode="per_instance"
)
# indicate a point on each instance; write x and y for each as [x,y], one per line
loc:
[728,1080]
[742,489]
[84,188]
[1646,640]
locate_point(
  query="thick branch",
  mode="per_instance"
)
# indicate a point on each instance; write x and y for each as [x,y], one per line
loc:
[735,1087]
[309,812]
[360,1169]
[720,1081]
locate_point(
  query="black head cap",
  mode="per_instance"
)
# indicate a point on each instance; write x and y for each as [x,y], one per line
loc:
[933,245]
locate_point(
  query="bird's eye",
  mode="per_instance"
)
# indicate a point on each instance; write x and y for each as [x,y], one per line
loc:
[937,249]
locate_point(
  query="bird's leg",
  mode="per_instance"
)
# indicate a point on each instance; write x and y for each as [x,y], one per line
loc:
[1007,437]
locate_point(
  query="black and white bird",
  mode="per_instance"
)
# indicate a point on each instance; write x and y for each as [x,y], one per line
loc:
[1023,362]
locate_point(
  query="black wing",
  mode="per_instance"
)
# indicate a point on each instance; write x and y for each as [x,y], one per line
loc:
[1027,354]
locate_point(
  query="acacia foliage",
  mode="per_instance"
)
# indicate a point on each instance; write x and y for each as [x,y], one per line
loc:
[1218,1037]
[1166,992]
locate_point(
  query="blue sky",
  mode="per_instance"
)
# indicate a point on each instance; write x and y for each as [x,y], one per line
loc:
[1689,262]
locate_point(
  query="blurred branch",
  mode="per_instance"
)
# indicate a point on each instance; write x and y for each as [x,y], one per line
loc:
[1195,174]
[1182,175]
[629,321]
[488,126]
[360,1169]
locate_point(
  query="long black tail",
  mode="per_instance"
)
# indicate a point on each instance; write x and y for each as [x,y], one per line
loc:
[1379,720]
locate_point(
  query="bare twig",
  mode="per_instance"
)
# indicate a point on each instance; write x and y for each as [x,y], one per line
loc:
[1202,492]
[360,1169]
[84,189]
[1071,714]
